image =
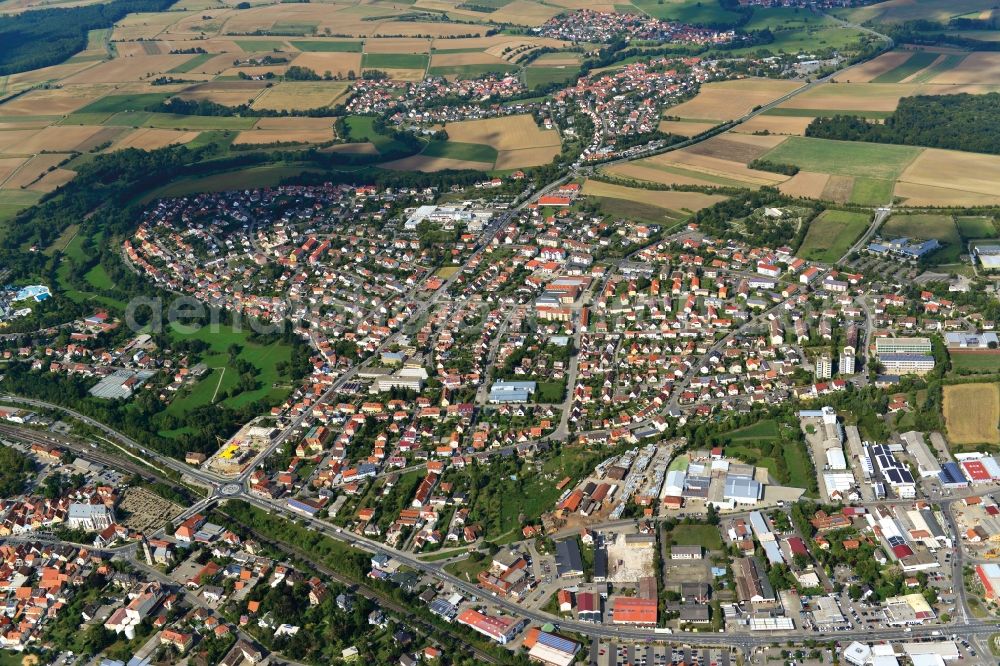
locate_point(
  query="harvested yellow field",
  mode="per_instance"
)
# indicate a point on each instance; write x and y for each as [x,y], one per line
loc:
[652,174]
[366,148]
[56,138]
[8,165]
[838,189]
[256,71]
[294,124]
[495,44]
[338,64]
[507,133]
[454,59]
[400,45]
[430,164]
[742,148]
[853,97]
[867,71]
[302,95]
[805,184]
[417,29]
[524,12]
[971,412]
[33,170]
[979,68]
[52,180]
[150,138]
[726,100]
[790,125]
[526,157]
[269,136]
[916,195]
[121,70]
[684,129]
[403,74]
[229,93]
[718,167]
[141,26]
[954,170]
[55,101]
[671,200]
[33,77]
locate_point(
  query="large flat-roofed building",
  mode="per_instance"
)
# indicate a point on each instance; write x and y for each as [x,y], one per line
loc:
[499,628]
[927,464]
[906,364]
[742,490]
[511,392]
[989,256]
[973,341]
[902,346]
[634,610]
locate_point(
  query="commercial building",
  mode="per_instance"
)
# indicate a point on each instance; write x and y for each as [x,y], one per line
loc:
[685,552]
[569,562]
[752,585]
[499,628]
[504,392]
[552,650]
[742,490]
[633,610]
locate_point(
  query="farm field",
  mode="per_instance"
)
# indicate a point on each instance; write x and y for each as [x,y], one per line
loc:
[975,362]
[975,68]
[686,129]
[895,11]
[773,124]
[971,412]
[831,234]
[844,158]
[518,140]
[293,95]
[727,100]
[913,64]
[950,178]
[675,202]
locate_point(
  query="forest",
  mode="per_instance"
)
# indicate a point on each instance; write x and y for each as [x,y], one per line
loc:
[43,37]
[957,122]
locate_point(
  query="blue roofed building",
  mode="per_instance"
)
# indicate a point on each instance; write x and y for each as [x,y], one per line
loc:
[905,248]
[951,476]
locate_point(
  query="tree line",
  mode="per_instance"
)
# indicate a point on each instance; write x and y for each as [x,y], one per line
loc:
[43,37]
[957,122]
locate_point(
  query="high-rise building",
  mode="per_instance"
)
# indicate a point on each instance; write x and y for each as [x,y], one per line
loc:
[847,361]
[824,367]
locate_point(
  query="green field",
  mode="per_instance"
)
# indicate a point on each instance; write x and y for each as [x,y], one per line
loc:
[949,62]
[328,46]
[871,191]
[395,60]
[976,362]
[844,158]
[535,77]
[118,103]
[471,71]
[362,128]
[265,358]
[972,227]
[262,176]
[180,122]
[12,201]
[706,536]
[816,113]
[636,211]
[932,10]
[767,429]
[297,28]
[99,278]
[196,61]
[831,234]
[688,11]
[456,150]
[911,66]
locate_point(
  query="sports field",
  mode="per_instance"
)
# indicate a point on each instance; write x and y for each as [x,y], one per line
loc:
[831,234]
[971,413]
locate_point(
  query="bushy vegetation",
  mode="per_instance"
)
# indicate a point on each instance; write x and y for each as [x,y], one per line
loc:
[14,470]
[935,121]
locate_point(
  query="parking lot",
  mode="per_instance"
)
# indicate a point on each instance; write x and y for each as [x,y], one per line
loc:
[604,653]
